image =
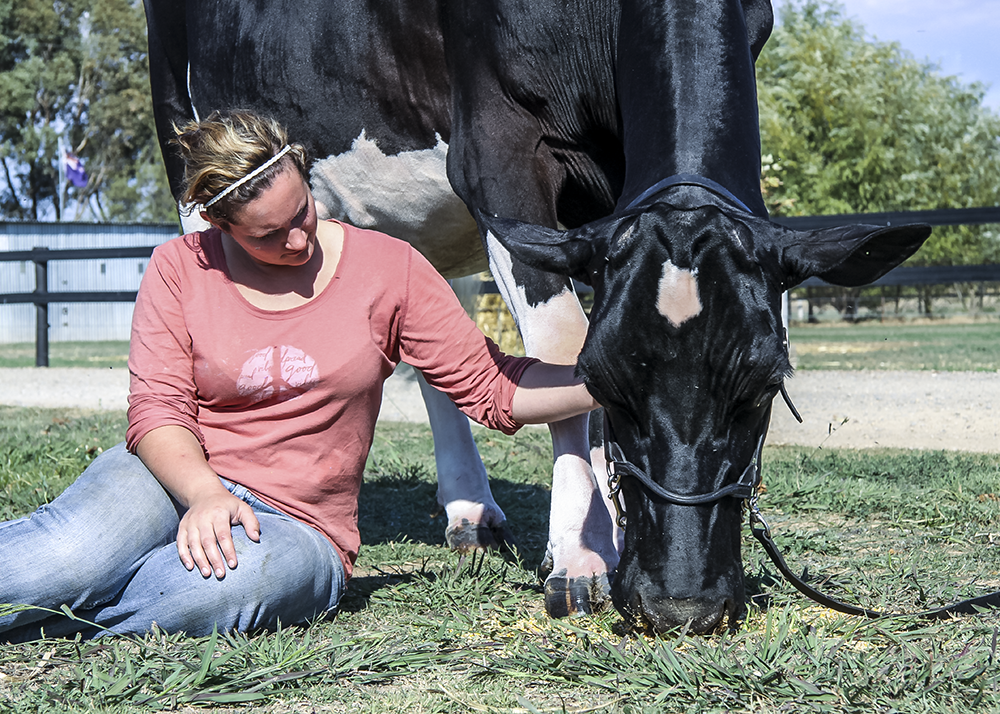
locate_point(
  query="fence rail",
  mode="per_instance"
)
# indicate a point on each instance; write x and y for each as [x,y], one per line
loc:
[938,217]
[928,275]
[933,275]
[41,297]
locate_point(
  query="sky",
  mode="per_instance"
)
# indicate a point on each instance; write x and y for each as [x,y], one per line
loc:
[961,36]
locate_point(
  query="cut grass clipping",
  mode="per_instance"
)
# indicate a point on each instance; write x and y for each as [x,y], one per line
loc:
[424,630]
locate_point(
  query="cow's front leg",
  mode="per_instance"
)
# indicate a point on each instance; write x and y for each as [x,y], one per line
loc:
[475,521]
[581,555]
[499,163]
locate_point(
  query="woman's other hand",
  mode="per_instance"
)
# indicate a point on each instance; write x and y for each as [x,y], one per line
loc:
[204,537]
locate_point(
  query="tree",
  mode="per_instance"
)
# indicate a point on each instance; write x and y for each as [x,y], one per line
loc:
[36,72]
[851,125]
[77,70]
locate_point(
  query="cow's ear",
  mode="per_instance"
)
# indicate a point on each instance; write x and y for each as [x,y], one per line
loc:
[571,253]
[850,256]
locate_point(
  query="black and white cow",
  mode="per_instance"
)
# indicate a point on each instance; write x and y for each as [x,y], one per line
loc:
[633,122]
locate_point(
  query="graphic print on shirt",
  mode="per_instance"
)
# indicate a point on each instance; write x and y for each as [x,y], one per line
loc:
[280,373]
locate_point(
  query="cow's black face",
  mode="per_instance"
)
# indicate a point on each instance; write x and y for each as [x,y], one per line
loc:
[685,351]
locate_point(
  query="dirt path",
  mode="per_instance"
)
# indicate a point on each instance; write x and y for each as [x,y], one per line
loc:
[912,410]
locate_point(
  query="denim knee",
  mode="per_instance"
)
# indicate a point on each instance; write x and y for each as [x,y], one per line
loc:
[292,575]
[82,548]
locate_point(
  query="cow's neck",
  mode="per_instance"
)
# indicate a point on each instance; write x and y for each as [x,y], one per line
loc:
[688,98]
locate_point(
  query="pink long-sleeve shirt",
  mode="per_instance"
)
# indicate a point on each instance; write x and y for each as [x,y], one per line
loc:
[285,402]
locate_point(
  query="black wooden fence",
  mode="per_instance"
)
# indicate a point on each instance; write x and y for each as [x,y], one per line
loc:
[933,275]
[41,297]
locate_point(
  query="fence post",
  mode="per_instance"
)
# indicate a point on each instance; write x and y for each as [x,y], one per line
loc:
[41,311]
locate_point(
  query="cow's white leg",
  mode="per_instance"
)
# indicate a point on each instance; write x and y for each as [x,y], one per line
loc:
[581,546]
[474,519]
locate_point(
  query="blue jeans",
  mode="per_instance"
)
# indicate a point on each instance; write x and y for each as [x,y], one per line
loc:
[106,548]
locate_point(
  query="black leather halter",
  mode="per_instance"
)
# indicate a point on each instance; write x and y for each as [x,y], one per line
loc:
[618,466]
[744,487]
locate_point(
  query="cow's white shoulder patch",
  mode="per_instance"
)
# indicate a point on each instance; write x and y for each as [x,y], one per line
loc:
[677,298]
[406,195]
[553,331]
[191,220]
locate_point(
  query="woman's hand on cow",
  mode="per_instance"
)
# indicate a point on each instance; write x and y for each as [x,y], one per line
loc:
[205,533]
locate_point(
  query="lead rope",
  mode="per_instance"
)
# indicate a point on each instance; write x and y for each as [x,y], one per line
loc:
[748,489]
[762,532]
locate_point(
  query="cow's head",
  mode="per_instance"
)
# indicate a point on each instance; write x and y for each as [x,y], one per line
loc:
[686,350]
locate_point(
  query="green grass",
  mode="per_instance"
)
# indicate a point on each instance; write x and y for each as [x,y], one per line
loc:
[426,631]
[898,346]
[67,354]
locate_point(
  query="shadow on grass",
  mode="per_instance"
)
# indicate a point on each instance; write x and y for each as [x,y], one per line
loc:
[405,508]
[362,587]
[403,533]
[466,578]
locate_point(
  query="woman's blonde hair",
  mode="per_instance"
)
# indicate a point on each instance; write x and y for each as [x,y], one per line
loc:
[223,150]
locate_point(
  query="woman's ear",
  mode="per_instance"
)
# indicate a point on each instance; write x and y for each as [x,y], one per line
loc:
[221,225]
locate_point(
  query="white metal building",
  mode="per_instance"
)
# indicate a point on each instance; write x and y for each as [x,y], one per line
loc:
[92,322]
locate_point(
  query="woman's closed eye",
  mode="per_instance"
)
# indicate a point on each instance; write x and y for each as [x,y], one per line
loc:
[297,221]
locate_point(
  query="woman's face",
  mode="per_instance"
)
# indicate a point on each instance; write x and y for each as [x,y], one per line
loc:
[279,226]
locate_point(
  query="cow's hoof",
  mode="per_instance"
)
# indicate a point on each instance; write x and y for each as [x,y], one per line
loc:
[466,537]
[566,597]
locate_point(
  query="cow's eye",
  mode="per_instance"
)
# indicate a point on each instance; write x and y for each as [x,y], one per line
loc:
[765,397]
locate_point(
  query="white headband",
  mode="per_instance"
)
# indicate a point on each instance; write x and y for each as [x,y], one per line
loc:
[253,174]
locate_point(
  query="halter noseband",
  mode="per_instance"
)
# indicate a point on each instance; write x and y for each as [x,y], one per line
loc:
[744,488]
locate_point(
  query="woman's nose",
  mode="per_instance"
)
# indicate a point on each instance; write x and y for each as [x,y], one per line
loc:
[296,239]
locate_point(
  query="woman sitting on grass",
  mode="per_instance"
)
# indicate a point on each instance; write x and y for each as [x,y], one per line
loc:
[258,352]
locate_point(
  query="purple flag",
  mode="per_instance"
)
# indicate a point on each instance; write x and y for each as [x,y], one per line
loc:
[74,171]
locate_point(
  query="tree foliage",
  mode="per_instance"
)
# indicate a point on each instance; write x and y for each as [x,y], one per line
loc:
[77,70]
[853,125]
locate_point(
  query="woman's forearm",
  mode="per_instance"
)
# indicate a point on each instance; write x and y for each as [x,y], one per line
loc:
[174,456]
[548,393]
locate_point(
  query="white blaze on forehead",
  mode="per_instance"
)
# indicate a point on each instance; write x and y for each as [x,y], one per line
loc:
[677,298]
